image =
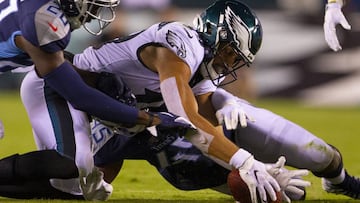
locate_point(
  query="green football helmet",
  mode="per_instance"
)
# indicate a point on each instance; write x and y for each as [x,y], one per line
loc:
[231,22]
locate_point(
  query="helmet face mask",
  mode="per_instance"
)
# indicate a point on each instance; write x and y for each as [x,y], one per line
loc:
[224,63]
[81,12]
[234,24]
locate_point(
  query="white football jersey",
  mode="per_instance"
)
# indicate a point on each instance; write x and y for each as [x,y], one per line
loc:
[120,57]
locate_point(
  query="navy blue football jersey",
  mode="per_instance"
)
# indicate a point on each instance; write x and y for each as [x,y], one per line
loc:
[176,159]
[41,22]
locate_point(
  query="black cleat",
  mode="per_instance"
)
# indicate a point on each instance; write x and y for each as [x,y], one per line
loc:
[349,187]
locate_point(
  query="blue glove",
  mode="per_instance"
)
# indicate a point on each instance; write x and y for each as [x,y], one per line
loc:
[171,128]
[170,120]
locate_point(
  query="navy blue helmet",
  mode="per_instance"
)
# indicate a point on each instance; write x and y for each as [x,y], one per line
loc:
[80,12]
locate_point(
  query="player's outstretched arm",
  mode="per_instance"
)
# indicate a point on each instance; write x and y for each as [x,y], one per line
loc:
[333,17]
[210,139]
[61,76]
[289,180]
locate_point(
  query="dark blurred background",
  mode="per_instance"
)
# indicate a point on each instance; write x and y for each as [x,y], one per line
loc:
[293,62]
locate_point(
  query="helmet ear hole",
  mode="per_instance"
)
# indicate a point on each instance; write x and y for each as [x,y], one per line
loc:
[208,28]
[69,7]
[223,34]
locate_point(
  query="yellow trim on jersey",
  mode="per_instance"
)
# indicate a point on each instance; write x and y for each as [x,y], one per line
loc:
[341,2]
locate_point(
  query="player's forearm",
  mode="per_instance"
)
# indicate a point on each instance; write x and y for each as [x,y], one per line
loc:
[210,139]
[217,148]
[213,140]
[180,100]
[87,99]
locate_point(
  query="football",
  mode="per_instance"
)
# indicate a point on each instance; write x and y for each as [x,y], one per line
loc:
[240,190]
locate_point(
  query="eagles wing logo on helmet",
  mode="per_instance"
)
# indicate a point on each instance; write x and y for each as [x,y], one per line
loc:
[175,41]
[240,31]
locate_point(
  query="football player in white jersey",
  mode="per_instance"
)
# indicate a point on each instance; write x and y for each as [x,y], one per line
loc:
[174,65]
[333,17]
[161,66]
[178,66]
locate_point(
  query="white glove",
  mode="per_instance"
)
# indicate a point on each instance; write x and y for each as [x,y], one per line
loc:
[255,175]
[232,114]
[94,187]
[2,131]
[334,16]
[289,180]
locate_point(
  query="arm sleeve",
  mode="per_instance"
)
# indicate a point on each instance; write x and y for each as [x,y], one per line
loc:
[69,84]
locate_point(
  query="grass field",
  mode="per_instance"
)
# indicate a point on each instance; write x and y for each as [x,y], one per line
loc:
[139,182]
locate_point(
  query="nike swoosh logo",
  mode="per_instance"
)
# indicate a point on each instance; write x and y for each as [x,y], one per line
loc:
[53,27]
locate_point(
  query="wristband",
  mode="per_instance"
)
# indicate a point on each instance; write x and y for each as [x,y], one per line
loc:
[341,2]
[333,5]
[239,158]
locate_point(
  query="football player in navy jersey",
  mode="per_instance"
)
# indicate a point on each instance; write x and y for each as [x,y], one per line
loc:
[198,170]
[35,33]
[178,161]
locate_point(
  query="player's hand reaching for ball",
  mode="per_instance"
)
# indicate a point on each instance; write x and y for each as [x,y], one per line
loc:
[260,183]
[289,180]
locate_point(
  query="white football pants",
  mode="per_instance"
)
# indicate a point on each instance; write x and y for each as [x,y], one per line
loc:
[55,123]
[271,136]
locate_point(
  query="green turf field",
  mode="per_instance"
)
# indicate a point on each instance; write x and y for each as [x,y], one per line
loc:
[139,182]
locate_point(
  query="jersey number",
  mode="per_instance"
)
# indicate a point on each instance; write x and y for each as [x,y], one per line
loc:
[13,7]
